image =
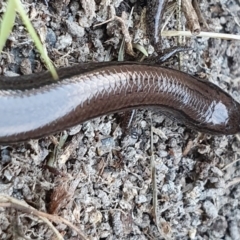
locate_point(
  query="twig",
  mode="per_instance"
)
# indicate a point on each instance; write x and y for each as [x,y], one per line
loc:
[230,164]
[191,17]
[187,148]
[199,14]
[128,39]
[160,222]
[233,182]
[179,27]
[7,201]
[202,34]
[180,37]
[169,10]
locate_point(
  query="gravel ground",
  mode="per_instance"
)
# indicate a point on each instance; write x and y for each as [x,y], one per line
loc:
[104,179]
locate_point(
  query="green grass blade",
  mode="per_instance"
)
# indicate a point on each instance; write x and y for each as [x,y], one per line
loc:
[34,36]
[7,23]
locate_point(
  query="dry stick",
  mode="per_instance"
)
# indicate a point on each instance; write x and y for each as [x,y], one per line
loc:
[12,205]
[169,10]
[154,185]
[187,148]
[201,19]
[51,227]
[233,182]
[160,222]
[202,34]
[129,46]
[7,201]
[238,137]
[179,14]
[125,32]
[191,17]
[230,164]
[180,38]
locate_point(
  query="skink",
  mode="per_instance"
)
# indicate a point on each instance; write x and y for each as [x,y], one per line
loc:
[34,106]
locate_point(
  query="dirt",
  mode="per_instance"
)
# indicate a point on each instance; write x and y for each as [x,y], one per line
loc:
[103,178]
